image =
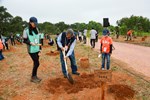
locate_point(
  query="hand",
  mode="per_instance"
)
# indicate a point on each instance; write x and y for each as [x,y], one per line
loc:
[62,48]
[110,54]
[39,44]
[39,53]
[65,57]
[33,44]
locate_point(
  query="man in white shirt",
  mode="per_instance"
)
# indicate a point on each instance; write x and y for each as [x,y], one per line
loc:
[93,33]
[84,35]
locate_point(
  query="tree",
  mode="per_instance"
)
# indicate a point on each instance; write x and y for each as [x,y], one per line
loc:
[61,26]
[16,25]
[5,18]
[97,26]
[137,23]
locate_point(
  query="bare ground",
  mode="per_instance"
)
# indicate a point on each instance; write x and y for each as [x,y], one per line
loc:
[15,72]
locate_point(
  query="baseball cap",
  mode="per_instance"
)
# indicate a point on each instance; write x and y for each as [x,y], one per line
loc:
[105,32]
[34,20]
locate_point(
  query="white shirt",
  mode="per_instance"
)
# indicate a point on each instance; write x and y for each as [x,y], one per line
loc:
[85,32]
[93,34]
[80,34]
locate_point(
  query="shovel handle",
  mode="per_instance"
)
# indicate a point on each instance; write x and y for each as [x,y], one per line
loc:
[65,60]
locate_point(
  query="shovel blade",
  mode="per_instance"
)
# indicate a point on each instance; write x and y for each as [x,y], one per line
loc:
[70,79]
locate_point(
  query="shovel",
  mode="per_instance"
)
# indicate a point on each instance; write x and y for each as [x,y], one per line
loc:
[69,77]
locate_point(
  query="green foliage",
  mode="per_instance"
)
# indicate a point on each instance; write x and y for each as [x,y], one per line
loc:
[95,25]
[8,23]
[5,18]
[136,23]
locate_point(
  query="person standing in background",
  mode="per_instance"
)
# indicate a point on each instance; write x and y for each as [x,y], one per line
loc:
[12,39]
[80,36]
[1,48]
[42,38]
[129,34]
[84,35]
[93,33]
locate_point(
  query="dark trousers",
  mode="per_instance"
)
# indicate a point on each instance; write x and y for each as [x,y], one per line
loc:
[35,58]
[96,38]
[80,39]
[12,41]
[92,41]
[42,42]
[5,46]
[117,35]
[84,39]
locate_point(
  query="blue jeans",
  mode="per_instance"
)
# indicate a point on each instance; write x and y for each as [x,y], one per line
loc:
[106,56]
[72,60]
[1,55]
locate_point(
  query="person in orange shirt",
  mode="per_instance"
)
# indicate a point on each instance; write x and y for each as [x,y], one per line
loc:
[129,34]
[1,48]
[106,49]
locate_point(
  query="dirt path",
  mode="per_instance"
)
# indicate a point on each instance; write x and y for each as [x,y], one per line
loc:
[137,57]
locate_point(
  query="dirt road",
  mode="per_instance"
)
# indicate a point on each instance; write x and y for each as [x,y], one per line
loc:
[137,57]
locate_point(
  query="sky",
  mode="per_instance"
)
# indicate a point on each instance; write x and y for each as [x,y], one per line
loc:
[72,11]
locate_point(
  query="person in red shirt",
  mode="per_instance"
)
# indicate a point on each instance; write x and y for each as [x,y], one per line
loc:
[129,34]
[106,49]
[1,48]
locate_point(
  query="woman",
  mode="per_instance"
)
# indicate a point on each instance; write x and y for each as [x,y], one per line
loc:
[31,38]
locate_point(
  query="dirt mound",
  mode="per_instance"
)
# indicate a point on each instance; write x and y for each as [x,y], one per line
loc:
[52,53]
[59,85]
[121,92]
[45,46]
[84,62]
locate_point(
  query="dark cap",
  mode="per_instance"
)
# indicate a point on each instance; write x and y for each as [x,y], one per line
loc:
[34,20]
[105,32]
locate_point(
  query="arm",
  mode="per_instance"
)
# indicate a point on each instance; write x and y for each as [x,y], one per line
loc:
[59,41]
[25,38]
[111,46]
[110,49]
[101,48]
[71,48]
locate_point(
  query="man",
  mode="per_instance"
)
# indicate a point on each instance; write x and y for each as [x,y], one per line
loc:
[84,35]
[117,32]
[66,41]
[93,33]
[80,36]
[12,38]
[106,49]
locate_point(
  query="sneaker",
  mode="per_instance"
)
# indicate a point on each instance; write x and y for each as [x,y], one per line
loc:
[76,73]
[103,68]
[35,79]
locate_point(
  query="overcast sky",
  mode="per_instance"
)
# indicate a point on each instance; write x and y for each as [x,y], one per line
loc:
[71,11]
